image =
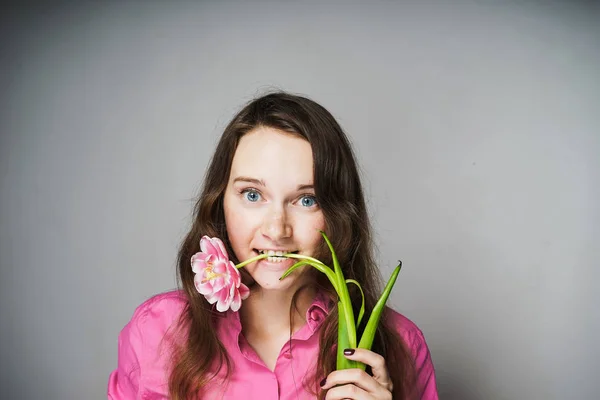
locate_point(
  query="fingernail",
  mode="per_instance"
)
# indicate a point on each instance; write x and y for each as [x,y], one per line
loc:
[323,382]
[348,352]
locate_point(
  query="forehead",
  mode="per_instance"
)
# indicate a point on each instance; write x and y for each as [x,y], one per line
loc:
[273,155]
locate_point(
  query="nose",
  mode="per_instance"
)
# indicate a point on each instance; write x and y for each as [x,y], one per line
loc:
[276,225]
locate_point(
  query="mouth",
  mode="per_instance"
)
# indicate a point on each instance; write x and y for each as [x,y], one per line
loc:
[276,256]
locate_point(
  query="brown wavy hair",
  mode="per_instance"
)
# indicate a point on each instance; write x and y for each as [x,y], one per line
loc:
[200,354]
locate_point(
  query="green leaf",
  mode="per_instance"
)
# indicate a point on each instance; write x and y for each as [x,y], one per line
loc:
[343,294]
[342,362]
[366,340]
[362,307]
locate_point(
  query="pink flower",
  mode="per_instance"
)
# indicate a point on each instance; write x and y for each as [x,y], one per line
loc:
[217,278]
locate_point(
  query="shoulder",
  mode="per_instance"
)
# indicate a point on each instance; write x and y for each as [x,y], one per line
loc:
[153,318]
[414,339]
[142,359]
[407,329]
[162,305]
[159,311]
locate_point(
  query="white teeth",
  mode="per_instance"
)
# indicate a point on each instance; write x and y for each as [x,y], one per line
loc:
[274,255]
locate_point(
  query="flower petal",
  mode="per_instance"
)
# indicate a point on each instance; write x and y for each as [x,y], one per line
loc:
[199,262]
[204,240]
[244,291]
[211,298]
[234,273]
[236,301]
[224,300]
[218,283]
[213,246]
[200,256]
[221,246]
[220,267]
[203,287]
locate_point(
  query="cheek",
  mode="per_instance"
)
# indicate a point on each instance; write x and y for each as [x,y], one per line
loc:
[236,235]
[310,230]
[318,222]
[240,224]
[232,222]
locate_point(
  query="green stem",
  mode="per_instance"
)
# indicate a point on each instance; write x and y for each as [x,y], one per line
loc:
[251,260]
[342,362]
[343,294]
[305,260]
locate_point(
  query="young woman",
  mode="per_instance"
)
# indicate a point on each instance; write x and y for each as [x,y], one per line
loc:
[282,170]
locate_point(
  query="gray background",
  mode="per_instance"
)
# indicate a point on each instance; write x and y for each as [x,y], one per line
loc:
[476,123]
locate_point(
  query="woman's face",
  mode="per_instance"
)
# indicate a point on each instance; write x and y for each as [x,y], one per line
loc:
[270,205]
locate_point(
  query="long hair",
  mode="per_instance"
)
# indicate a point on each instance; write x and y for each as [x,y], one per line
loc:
[340,195]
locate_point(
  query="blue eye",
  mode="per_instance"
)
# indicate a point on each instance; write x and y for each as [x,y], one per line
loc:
[252,195]
[308,201]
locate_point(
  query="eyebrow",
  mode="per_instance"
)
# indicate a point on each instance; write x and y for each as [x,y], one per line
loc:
[249,180]
[262,183]
[305,187]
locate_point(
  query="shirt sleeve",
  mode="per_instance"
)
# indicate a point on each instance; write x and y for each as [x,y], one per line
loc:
[424,367]
[124,381]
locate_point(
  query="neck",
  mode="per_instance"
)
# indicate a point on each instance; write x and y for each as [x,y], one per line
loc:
[267,312]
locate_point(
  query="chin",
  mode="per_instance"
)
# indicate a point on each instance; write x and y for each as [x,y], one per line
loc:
[266,276]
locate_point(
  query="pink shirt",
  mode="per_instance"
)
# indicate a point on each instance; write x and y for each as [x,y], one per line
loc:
[142,363]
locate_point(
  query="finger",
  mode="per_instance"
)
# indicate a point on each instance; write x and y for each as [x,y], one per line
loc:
[347,392]
[354,376]
[375,361]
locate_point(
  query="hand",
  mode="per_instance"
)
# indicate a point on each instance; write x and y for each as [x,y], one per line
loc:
[356,383]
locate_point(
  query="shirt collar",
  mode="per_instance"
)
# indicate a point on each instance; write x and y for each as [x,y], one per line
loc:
[318,311]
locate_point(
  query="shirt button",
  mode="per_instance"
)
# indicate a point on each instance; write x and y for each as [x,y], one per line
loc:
[287,355]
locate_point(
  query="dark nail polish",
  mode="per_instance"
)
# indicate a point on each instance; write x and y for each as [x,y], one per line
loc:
[323,382]
[348,352]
